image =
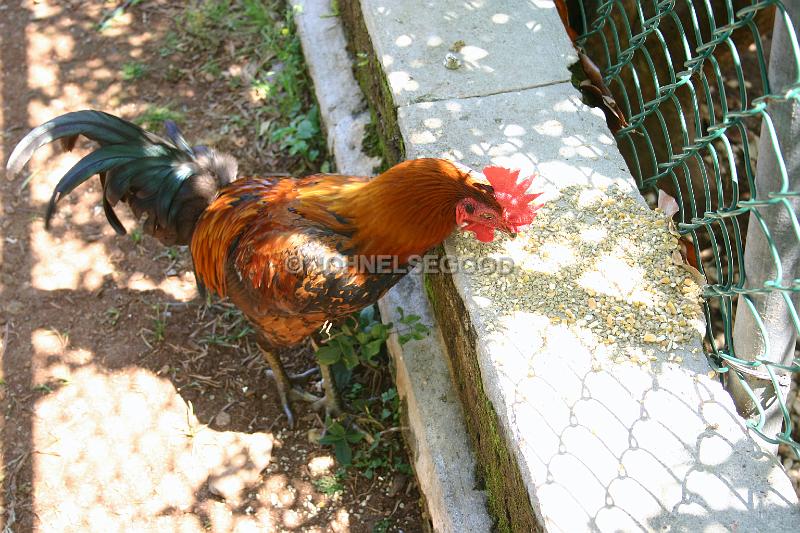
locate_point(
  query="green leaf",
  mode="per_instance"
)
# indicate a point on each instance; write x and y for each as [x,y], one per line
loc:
[343,452]
[354,437]
[328,355]
[306,130]
[350,360]
[371,349]
[379,331]
[346,346]
[410,319]
[389,395]
[362,337]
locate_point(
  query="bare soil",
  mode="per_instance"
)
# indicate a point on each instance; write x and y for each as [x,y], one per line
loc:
[129,403]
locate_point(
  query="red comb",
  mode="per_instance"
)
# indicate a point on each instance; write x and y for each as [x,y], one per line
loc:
[512,196]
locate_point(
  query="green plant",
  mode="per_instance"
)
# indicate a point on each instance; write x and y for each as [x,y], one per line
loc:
[260,34]
[330,485]
[385,446]
[300,135]
[413,330]
[159,318]
[133,71]
[154,117]
[170,46]
[112,316]
[114,14]
[341,438]
[356,341]
[382,525]
[137,235]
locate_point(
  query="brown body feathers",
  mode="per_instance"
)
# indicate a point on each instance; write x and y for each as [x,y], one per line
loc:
[286,250]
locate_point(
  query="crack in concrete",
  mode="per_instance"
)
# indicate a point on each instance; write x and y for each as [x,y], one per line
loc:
[484,95]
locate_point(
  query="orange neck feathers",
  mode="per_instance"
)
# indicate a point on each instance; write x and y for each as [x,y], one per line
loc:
[405,211]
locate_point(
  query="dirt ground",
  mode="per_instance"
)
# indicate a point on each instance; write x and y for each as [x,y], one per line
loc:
[129,404]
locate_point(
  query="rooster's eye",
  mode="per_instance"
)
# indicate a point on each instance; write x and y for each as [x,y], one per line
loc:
[469,208]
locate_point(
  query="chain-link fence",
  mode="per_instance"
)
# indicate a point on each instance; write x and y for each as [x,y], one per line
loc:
[704,99]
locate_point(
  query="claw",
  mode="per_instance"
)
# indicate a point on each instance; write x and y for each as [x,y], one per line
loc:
[288,386]
[332,408]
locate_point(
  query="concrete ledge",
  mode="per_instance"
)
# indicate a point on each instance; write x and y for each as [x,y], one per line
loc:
[500,46]
[443,461]
[611,425]
[341,104]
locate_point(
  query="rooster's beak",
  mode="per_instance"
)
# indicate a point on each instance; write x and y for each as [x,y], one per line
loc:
[507,231]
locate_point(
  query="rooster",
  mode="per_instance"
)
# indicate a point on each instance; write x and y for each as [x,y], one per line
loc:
[281,249]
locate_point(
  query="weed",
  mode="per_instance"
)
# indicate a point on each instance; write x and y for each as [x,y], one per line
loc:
[413,330]
[158,332]
[44,387]
[112,316]
[154,117]
[259,34]
[300,135]
[385,449]
[362,59]
[382,525]
[170,46]
[356,341]
[211,68]
[133,71]
[192,428]
[173,253]
[341,438]
[359,341]
[331,485]
[137,236]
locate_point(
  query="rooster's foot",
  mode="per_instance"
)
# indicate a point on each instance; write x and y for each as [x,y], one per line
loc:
[290,390]
[331,405]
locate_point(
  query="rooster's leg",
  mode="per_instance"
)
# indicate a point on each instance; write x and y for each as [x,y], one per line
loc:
[286,389]
[331,399]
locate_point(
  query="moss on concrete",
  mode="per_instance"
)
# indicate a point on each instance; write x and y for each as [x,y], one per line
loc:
[498,472]
[372,79]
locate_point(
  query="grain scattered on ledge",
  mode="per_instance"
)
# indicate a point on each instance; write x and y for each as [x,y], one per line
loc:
[603,265]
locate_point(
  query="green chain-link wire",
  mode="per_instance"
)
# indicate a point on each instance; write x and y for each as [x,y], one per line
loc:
[670,50]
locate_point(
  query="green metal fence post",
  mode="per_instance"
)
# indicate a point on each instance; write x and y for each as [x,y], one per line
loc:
[766,326]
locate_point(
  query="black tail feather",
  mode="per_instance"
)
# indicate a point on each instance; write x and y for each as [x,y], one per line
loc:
[146,171]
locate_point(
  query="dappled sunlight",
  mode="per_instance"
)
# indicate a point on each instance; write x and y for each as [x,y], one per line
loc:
[55,359]
[182,288]
[68,264]
[146,427]
[105,356]
[52,44]
[637,425]
[466,49]
[402,81]
[613,276]
[148,462]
